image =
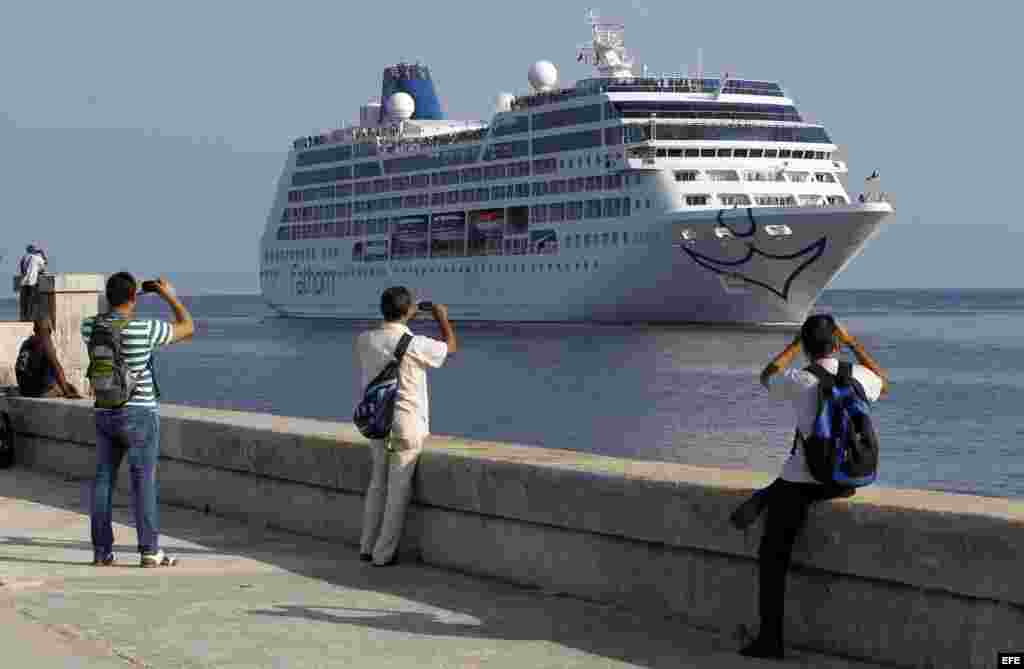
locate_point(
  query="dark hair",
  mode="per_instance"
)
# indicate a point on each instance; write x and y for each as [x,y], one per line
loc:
[120,289]
[395,303]
[818,335]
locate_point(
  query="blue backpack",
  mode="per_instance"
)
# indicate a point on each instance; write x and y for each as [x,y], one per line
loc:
[375,412]
[842,449]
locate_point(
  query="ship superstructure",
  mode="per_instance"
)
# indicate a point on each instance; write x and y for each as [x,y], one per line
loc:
[621,198]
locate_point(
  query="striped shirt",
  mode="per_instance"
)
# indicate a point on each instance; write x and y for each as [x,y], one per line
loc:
[138,339]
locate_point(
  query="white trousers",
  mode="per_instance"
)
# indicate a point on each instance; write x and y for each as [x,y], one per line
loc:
[387,498]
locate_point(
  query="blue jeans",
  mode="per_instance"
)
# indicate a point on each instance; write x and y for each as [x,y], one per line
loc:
[135,432]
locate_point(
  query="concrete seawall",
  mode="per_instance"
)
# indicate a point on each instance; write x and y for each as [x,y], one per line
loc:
[905,577]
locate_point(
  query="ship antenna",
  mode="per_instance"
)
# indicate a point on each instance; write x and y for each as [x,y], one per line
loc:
[607,50]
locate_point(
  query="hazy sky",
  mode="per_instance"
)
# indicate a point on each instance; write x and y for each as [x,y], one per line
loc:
[150,136]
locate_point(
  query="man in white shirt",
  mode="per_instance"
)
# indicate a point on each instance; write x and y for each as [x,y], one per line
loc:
[30,266]
[788,498]
[394,460]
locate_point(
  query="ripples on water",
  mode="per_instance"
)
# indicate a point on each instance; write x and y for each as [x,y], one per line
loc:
[680,394]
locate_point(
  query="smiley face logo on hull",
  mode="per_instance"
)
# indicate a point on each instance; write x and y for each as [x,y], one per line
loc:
[735,268]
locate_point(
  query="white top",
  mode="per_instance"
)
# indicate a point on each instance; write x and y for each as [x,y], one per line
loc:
[31,265]
[801,388]
[374,349]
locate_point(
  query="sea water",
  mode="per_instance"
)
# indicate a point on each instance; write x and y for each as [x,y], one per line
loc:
[672,393]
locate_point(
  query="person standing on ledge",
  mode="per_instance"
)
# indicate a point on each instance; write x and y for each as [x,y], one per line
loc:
[394,460]
[133,427]
[30,267]
[788,498]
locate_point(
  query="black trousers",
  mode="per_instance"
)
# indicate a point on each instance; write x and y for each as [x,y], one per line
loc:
[27,302]
[785,515]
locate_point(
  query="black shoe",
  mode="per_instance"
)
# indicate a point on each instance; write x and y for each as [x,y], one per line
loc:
[366,557]
[746,513]
[770,650]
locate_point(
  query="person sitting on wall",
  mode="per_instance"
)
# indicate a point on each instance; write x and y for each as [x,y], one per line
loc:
[394,460]
[38,368]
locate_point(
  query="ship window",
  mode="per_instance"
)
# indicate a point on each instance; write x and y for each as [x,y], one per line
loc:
[824,177]
[775,200]
[778,230]
[798,177]
[785,153]
[556,212]
[612,207]
[723,175]
[687,175]
[561,163]
[799,154]
[692,153]
[756,153]
[675,153]
[605,237]
[836,199]
[648,204]
[567,142]
[707,153]
[739,153]
[771,153]
[565,117]
[696,200]
[660,153]
[725,153]
[734,199]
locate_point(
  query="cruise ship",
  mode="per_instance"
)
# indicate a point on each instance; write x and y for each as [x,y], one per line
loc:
[622,198]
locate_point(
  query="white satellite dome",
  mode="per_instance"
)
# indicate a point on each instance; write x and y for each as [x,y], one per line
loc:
[543,75]
[400,106]
[503,102]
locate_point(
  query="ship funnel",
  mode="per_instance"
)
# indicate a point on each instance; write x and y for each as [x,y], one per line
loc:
[414,80]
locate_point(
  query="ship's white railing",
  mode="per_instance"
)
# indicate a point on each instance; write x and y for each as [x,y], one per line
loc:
[456,132]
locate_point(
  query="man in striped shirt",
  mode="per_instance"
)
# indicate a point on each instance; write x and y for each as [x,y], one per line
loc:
[134,428]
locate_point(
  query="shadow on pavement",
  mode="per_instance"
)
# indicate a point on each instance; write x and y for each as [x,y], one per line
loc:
[437,603]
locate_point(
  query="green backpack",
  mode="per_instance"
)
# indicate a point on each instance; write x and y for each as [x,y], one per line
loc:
[112,381]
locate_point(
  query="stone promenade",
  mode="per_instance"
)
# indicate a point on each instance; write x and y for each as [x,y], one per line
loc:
[246,597]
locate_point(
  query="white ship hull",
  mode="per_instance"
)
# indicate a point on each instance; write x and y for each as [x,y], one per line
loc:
[731,271]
